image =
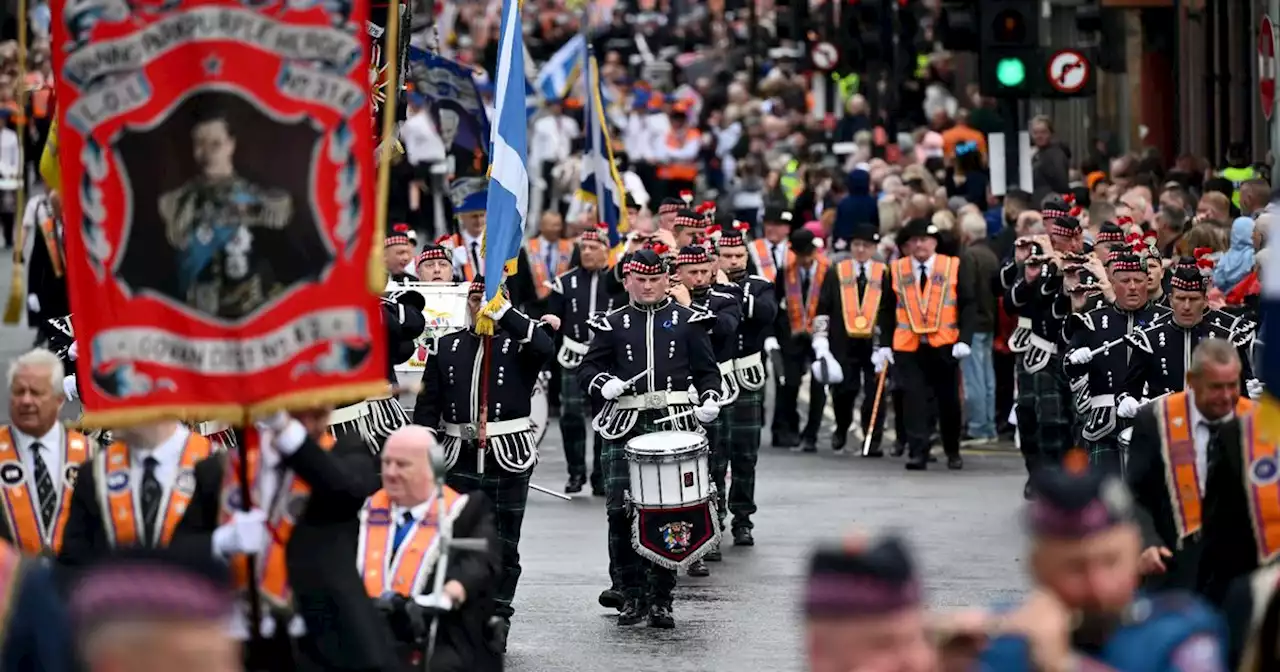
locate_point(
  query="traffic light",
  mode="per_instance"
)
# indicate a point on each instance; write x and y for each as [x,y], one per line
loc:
[1009,58]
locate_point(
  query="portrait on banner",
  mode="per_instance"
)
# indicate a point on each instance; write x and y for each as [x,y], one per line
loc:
[217,228]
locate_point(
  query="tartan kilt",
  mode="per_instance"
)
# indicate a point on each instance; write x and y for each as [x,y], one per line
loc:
[744,419]
[572,399]
[1046,393]
[1105,454]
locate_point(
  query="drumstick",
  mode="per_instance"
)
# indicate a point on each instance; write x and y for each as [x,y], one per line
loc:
[674,416]
[539,488]
[875,412]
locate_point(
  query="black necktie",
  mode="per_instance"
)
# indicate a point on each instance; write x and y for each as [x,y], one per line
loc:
[777,258]
[475,256]
[45,492]
[924,276]
[804,283]
[402,531]
[152,492]
[862,281]
[1211,447]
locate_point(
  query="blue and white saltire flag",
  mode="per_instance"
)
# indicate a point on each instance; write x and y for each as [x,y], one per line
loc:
[508,200]
[598,167]
[560,74]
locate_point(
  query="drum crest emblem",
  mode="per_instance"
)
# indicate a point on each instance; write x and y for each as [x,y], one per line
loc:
[676,535]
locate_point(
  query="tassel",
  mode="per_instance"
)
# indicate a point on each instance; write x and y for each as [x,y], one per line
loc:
[485,325]
[13,308]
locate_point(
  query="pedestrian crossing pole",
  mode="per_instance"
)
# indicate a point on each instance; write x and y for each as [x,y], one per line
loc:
[1273,129]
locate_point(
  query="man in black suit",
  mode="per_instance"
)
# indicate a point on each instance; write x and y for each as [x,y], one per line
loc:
[1171,444]
[397,527]
[318,601]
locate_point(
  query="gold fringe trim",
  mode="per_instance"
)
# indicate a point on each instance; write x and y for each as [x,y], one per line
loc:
[233,414]
[485,325]
[1268,409]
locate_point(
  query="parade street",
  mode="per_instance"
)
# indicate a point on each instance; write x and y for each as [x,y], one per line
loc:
[743,617]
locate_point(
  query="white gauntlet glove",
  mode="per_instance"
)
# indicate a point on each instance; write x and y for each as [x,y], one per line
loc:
[502,309]
[69,387]
[245,534]
[882,358]
[33,303]
[771,345]
[707,412]
[1128,407]
[834,373]
[613,388]
[1080,356]
[1255,388]
[73,352]
[960,350]
[821,347]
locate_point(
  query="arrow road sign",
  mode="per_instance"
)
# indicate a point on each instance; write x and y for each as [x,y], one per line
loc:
[1069,71]
[825,56]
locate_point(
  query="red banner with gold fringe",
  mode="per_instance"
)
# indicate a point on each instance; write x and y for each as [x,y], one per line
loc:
[217,188]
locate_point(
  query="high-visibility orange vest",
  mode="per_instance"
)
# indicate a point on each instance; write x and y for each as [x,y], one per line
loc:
[404,570]
[685,172]
[801,312]
[936,315]
[1178,446]
[538,263]
[860,314]
[119,501]
[282,517]
[22,505]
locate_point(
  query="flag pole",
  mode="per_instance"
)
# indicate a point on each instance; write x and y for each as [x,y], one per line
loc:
[590,85]
[377,272]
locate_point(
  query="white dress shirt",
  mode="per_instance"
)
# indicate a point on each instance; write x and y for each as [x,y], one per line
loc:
[168,457]
[553,137]
[477,259]
[1200,436]
[53,448]
[422,142]
[778,252]
[928,265]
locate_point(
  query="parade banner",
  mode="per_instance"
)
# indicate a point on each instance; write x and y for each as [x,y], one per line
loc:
[217,172]
[450,93]
[380,81]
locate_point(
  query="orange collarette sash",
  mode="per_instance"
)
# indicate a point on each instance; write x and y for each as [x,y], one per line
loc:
[117,494]
[51,246]
[800,313]
[282,516]
[764,260]
[538,263]
[1178,447]
[924,313]
[860,314]
[10,584]
[21,505]
[404,571]
[1262,483]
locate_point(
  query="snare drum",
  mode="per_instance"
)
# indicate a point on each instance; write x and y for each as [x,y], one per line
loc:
[669,470]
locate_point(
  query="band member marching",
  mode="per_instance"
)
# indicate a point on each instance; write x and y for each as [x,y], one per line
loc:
[469,198]
[926,323]
[40,458]
[643,360]
[397,254]
[399,549]
[576,296]
[770,254]
[697,289]
[1101,350]
[134,492]
[1160,366]
[798,289]
[744,418]
[550,255]
[844,330]
[478,391]
[1171,455]
[690,225]
[434,264]
[46,268]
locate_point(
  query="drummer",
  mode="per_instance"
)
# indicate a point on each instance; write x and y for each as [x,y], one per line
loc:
[435,264]
[493,450]
[643,357]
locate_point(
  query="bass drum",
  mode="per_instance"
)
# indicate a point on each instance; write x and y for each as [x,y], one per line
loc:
[539,408]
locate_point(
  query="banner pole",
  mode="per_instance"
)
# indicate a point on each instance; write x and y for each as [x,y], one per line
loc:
[252,594]
[386,150]
[13,307]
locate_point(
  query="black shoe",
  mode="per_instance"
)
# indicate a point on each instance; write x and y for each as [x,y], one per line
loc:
[612,599]
[838,440]
[809,446]
[933,459]
[499,628]
[1027,493]
[597,491]
[899,448]
[698,569]
[955,463]
[785,441]
[575,484]
[714,555]
[742,537]
[660,616]
[632,612]
[917,463]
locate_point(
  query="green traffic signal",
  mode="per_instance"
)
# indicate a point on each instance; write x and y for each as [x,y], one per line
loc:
[1011,72]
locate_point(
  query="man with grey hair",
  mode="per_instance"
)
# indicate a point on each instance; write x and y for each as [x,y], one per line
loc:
[39,457]
[979,262]
[1175,446]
